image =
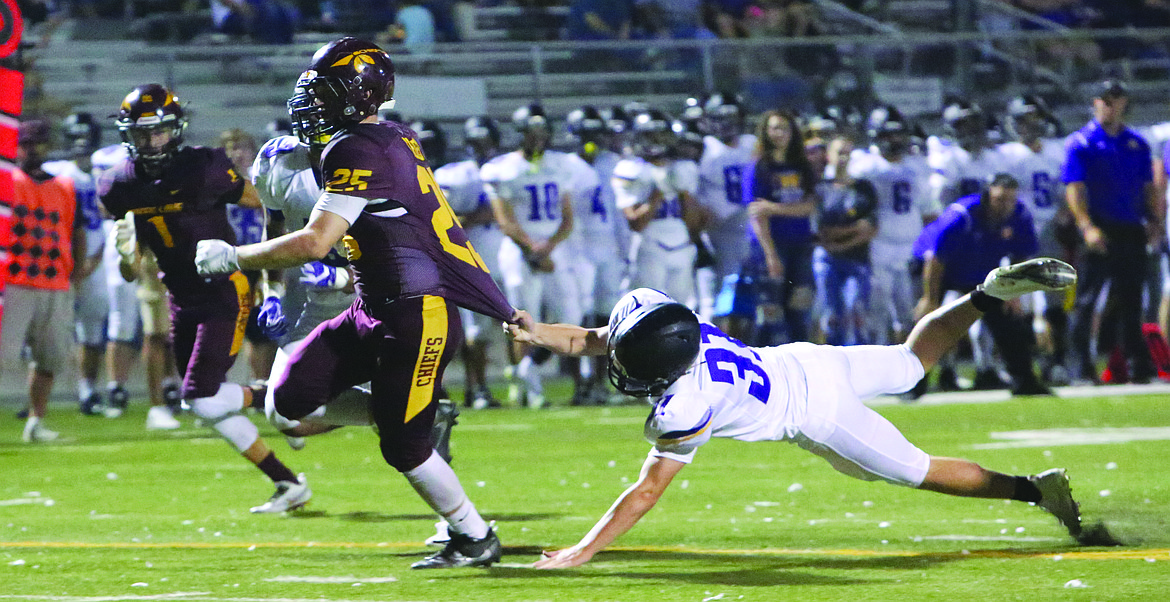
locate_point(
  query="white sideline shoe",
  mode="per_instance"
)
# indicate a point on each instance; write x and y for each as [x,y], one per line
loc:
[160,418]
[35,432]
[1056,498]
[289,495]
[1041,274]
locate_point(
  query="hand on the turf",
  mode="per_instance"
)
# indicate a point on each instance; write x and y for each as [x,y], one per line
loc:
[562,559]
[215,257]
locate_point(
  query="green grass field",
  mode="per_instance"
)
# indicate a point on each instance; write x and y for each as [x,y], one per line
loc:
[115,513]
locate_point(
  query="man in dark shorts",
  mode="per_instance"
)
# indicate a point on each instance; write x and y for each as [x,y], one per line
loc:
[173,196]
[413,265]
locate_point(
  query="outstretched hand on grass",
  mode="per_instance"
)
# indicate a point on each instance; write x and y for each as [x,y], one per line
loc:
[562,559]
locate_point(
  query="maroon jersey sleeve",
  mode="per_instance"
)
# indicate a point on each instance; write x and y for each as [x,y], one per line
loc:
[407,242]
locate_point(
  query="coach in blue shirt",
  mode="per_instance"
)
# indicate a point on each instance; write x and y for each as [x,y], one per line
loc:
[1110,192]
[970,238]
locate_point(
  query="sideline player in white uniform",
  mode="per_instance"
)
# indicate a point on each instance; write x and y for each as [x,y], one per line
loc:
[461,184]
[531,192]
[705,384]
[902,182]
[962,164]
[724,192]
[599,265]
[91,300]
[1036,158]
[656,191]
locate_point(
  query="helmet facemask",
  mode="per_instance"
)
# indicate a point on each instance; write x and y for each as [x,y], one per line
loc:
[141,139]
[319,109]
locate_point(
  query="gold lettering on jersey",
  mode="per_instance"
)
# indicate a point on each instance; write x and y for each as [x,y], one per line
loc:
[168,208]
[352,251]
[232,173]
[444,218]
[790,180]
[348,180]
[429,362]
[415,148]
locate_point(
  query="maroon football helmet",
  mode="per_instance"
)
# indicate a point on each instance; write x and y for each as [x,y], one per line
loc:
[348,80]
[147,113]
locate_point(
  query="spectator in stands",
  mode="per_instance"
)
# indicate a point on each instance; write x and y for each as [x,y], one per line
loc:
[728,18]
[1111,194]
[791,19]
[1068,13]
[414,27]
[679,19]
[599,20]
[265,21]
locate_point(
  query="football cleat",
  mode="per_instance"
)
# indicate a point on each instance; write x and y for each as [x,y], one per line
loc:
[441,537]
[463,551]
[119,398]
[35,432]
[289,495]
[1056,498]
[445,420]
[1040,274]
[173,397]
[160,418]
[92,405]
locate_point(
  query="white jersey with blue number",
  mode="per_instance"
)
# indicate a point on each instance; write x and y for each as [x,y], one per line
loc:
[635,180]
[89,212]
[461,184]
[956,172]
[596,218]
[284,181]
[533,188]
[723,173]
[903,192]
[731,390]
[1039,173]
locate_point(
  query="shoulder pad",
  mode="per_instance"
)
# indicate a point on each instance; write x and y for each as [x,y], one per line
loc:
[673,422]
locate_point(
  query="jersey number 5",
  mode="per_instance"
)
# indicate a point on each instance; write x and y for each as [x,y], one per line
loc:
[443,219]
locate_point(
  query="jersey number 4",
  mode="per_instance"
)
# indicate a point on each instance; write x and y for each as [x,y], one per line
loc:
[443,219]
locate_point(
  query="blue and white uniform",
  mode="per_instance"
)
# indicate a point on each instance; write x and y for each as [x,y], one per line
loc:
[124,323]
[91,300]
[535,190]
[662,255]
[806,394]
[598,231]
[725,176]
[904,202]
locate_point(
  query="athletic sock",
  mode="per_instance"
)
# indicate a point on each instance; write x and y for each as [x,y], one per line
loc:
[275,469]
[438,486]
[84,388]
[1026,490]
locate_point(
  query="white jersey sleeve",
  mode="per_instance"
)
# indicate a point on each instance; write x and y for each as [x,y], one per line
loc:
[281,174]
[678,426]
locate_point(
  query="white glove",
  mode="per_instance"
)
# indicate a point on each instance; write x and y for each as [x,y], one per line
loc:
[215,257]
[320,275]
[125,238]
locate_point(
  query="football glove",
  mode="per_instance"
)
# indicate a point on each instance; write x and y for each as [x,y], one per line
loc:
[324,276]
[215,257]
[270,318]
[125,239]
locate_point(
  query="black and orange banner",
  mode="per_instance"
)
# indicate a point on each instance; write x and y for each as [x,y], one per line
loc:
[11,95]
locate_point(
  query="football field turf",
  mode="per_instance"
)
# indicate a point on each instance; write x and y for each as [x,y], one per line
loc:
[115,513]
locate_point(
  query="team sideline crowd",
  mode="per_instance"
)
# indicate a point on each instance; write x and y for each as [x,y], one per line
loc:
[358,256]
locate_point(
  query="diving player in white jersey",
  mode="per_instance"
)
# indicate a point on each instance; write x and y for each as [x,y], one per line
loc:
[902,182]
[656,191]
[530,190]
[461,184]
[724,192]
[598,229]
[705,384]
[82,138]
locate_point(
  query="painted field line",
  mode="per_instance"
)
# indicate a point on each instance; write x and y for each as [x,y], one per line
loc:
[178,597]
[1072,554]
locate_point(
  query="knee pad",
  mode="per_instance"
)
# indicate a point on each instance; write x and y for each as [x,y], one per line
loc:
[229,399]
[238,430]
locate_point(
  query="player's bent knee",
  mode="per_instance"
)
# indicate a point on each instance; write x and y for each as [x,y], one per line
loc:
[238,430]
[404,458]
[228,399]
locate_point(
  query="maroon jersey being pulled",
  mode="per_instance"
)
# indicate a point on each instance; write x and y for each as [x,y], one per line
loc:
[176,211]
[407,242]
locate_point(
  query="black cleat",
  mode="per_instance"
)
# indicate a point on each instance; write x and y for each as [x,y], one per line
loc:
[173,398]
[445,420]
[948,380]
[92,405]
[463,551]
[119,399]
[1031,387]
[917,391]
[988,379]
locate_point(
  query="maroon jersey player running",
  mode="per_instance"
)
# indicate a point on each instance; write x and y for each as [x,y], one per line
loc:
[412,263]
[176,195]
